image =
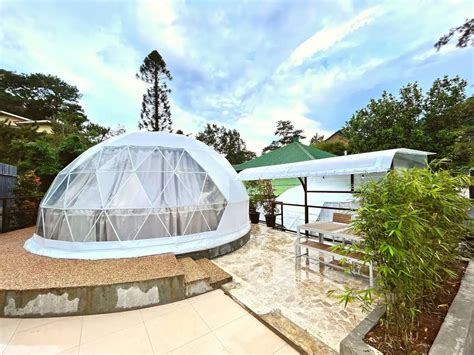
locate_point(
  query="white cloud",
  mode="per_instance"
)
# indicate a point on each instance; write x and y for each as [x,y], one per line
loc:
[97,62]
[257,128]
[329,36]
[224,58]
[158,25]
[448,48]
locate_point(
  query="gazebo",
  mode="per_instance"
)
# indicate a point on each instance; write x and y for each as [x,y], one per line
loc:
[291,153]
[337,177]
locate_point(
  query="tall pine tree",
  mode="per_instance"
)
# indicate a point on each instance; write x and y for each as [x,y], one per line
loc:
[155,114]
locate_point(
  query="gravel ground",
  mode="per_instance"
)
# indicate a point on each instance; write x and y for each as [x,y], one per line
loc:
[21,270]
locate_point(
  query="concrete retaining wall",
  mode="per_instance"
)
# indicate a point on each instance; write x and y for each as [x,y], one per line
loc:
[107,298]
[92,299]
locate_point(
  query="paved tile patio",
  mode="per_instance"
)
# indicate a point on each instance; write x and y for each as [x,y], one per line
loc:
[211,323]
[266,280]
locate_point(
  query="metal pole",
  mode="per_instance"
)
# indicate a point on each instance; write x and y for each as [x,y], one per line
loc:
[304,183]
[306,208]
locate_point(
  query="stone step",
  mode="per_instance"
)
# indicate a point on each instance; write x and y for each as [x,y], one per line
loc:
[217,276]
[196,279]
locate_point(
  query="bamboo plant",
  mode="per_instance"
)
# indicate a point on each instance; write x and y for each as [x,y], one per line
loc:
[412,222]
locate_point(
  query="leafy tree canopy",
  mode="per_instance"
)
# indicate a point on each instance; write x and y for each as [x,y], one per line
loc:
[227,142]
[317,138]
[40,96]
[285,131]
[431,121]
[155,114]
[335,147]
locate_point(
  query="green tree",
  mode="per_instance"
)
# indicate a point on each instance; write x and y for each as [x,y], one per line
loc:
[317,138]
[70,148]
[429,121]
[335,147]
[8,134]
[42,96]
[285,131]
[227,142]
[443,114]
[465,31]
[155,114]
[39,96]
[39,156]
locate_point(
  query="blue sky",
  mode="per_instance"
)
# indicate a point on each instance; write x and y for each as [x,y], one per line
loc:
[242,64]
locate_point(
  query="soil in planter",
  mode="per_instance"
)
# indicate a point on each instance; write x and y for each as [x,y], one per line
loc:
[429,321]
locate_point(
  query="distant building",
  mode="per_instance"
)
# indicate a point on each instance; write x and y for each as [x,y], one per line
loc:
[337,136]
[16,120]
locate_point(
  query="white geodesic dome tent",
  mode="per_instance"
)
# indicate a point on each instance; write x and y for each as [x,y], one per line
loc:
[138,194]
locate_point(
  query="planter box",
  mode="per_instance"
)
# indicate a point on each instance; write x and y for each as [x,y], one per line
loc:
[456,335]
[353,343]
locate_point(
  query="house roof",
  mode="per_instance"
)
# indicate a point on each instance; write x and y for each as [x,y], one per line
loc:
[291,153]
[34,122]
[23,120]
[15,116]
[339,131]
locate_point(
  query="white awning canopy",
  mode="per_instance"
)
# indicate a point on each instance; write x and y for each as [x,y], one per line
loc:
[364,163]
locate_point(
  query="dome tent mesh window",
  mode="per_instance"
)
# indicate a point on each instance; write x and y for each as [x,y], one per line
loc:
[142,193]
[131,193]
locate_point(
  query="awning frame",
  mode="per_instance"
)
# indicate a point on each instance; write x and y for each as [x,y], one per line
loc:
[383,161]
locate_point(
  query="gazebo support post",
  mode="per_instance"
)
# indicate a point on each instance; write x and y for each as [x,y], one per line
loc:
[304,183]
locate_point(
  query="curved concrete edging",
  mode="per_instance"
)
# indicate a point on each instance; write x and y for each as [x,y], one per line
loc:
[219,250]
[456,335]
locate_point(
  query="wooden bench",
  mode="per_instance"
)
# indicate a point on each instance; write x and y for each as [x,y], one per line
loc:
[338,232]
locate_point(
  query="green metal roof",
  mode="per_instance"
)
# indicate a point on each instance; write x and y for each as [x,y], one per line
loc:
[290,153]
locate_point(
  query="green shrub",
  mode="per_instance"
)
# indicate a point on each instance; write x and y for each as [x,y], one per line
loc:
[412,222]
[261,194]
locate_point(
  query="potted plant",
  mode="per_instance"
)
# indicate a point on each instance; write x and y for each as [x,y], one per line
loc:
[268,198]
[255,196]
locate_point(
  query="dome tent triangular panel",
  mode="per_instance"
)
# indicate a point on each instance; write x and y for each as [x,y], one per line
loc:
[155,161]
[153,227]
[57,192]
[110,184]
[139,154]
[141,193]
[82,222]
[89,165]
[115,159]
[154,183]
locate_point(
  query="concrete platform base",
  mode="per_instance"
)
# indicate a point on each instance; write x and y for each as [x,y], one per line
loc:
[38,286]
